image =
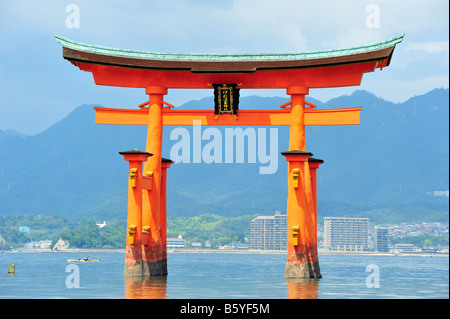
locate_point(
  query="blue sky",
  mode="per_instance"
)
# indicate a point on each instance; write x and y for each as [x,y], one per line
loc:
[38,87]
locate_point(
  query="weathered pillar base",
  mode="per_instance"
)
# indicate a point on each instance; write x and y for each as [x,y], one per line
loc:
[154,260]
[145,268]
[154,268]
[133,268]
[296,270]
[145,263]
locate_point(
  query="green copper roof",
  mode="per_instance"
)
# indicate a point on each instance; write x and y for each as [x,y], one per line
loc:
[207,57]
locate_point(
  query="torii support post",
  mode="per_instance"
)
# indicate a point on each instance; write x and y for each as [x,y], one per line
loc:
[153,253]
[314,164]
[165,164]
[133,251]
[138,235]
[302,258]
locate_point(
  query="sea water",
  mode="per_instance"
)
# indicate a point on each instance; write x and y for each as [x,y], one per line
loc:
[224,276]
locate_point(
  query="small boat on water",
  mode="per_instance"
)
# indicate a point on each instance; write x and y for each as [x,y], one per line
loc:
[83,260]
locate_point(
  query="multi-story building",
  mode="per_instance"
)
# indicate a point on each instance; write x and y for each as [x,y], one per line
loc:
[404,248]
[345,233]
[175,242]
[381,239]
[269,232]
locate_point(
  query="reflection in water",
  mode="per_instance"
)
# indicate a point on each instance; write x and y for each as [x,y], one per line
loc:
[148,288]
[302,288]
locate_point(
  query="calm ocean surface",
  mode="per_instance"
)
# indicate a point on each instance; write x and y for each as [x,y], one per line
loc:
[224,276]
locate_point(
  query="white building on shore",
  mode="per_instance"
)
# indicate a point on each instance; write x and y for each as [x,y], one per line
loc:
[269,232]
[177,242]
[346,234]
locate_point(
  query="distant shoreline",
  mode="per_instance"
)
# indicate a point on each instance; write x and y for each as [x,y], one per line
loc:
[236,251]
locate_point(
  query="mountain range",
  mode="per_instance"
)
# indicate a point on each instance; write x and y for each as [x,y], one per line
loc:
[392,162]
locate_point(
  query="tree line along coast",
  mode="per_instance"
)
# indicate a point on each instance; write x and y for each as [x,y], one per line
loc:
[206,230]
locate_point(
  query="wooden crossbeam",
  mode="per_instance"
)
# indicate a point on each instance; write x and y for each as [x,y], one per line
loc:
[344,116]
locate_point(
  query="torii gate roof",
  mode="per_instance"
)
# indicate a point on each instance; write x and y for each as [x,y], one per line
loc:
[315,69]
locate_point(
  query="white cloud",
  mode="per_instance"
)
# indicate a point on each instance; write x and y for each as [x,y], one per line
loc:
[429,47]
[414,16]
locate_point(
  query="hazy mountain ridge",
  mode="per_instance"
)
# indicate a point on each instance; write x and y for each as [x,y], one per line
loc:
[7,134]
[398,154]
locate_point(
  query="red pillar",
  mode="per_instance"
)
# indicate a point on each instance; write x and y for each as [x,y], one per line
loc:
[155,261]
[133,252]
[302,258]
[297,117]
[165,164]
[314,164]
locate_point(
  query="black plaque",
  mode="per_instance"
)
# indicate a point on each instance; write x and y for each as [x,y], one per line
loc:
[226,99]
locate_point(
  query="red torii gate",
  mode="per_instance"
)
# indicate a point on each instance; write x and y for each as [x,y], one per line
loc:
[157,72]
